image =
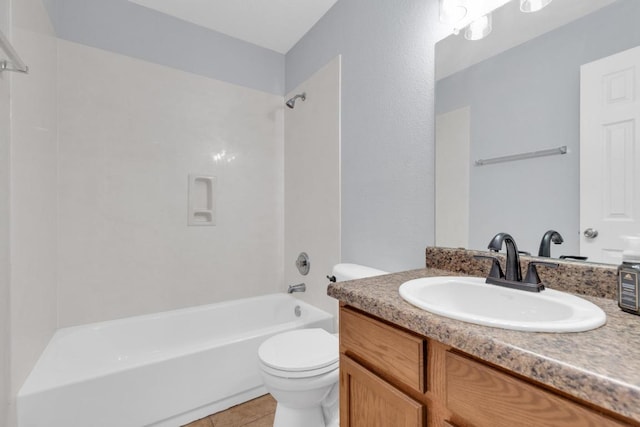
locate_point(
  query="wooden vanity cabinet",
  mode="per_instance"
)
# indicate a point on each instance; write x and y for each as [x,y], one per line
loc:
[391,377]
[380,367]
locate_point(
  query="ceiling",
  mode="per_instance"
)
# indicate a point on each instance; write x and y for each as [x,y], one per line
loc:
[272,24]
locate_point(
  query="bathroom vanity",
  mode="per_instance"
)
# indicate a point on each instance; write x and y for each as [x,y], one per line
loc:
[402,366]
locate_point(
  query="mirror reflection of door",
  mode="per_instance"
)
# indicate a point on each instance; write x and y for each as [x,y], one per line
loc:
[609,154]
[453,139]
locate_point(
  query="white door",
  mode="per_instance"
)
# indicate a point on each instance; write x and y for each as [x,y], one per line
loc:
[452,178]
[609,154]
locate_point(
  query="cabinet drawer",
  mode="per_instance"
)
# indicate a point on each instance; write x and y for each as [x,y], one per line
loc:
[482,396]
[386,350]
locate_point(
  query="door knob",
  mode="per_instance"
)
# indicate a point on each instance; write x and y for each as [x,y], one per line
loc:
[590,233]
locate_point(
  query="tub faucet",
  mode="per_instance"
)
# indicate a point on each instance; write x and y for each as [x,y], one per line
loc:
[301,287]
[545,243]
[513,272]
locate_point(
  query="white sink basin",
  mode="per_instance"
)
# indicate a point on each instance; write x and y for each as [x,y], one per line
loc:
[472,300]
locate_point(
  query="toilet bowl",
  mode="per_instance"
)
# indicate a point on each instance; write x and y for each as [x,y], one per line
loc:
[300,368]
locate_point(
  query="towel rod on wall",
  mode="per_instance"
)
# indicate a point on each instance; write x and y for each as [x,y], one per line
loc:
[522,156]
[13,63]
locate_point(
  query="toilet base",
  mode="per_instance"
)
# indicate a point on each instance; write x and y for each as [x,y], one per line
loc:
[296,417]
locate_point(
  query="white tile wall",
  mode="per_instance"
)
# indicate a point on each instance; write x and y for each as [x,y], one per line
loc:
[33,188]
[312,183]
[130,132]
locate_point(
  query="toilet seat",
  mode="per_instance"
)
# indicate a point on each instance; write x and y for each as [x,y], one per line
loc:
[298,374]
[300,353]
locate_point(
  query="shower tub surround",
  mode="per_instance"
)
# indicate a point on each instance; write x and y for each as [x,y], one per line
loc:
[162,369]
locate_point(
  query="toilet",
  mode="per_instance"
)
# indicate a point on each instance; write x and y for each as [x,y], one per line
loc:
[300,368]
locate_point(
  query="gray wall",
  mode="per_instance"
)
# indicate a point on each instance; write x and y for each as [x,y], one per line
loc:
[528,99]
[5,314]
[127,28]
[387,123]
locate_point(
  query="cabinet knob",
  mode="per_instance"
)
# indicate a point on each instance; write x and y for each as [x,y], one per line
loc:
[590,233]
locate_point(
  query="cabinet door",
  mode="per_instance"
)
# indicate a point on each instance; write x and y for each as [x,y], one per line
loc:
[368,401]
[485,397]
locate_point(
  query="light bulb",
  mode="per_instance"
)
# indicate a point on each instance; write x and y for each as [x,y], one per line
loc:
[479,29]
[451,11]
[533,5]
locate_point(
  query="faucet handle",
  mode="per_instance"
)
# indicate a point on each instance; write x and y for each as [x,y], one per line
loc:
[532,273]
[496,270]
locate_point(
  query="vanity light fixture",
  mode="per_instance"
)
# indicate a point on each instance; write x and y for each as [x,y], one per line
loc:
[533,5]
[452,11]
[479,29]
[460,14]
[474,16]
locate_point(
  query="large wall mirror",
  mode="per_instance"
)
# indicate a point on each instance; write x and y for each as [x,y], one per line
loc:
[536,88]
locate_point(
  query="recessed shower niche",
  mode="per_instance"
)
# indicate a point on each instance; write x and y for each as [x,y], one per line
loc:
[202,202]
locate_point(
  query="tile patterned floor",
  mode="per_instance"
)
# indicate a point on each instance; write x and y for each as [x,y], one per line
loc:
[255,413]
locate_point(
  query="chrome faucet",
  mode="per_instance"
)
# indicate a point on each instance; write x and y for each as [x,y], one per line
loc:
[301,287]
[545,244]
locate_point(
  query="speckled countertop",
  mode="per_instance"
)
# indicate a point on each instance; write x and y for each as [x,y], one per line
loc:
[600,366]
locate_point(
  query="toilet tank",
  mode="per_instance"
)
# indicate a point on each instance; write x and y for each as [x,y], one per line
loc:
[344,272]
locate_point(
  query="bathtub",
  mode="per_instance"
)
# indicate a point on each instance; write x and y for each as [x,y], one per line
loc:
[163,369]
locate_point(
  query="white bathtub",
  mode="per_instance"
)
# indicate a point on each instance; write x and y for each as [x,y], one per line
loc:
[163,369]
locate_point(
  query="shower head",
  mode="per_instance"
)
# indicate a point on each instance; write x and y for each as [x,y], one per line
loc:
[292,102]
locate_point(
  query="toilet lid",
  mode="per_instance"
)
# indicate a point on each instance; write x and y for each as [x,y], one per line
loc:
[300,350]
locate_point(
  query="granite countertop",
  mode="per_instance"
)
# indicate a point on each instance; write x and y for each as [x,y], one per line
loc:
[601,366]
